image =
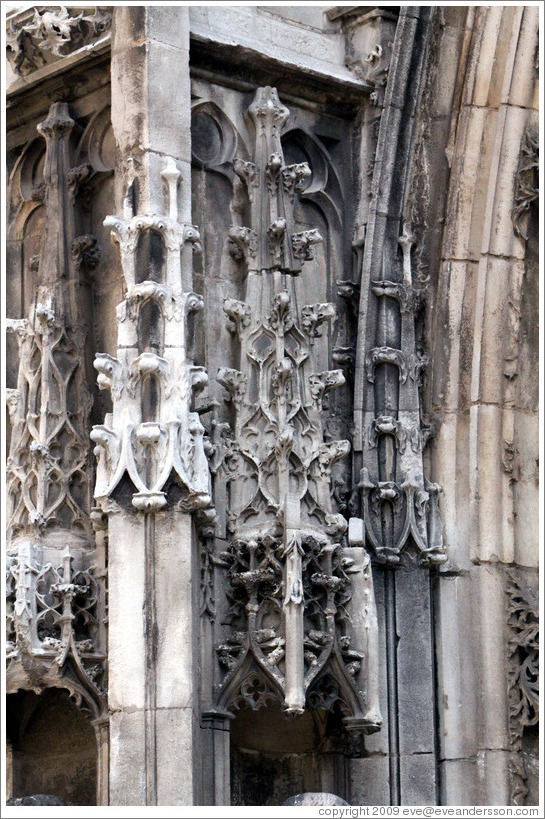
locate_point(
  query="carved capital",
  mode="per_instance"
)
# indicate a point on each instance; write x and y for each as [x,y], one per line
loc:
[76,179]
[234,382]
[320,383]
[109,373]
[242,243]
[295,178]
[248,173]
[86,253]
[20,328]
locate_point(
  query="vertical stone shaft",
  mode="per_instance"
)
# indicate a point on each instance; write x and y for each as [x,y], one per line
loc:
[56,130]
[49,464]
[294,610]
[153,648]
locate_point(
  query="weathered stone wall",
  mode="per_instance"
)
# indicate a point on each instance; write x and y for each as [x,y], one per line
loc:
[53,747]
[481,392]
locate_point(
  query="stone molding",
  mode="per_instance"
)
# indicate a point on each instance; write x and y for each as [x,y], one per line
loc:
[398,503]
[398,493]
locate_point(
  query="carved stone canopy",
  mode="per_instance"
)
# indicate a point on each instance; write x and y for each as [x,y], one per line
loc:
[301,608]
[153,438]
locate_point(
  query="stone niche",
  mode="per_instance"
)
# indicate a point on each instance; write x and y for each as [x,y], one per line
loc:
[272,758]
[51,747]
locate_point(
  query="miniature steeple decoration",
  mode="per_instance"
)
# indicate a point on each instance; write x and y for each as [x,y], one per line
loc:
[301,607]
[55,597]
[153,437]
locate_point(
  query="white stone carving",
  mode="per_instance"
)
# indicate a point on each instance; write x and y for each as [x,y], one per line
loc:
[53,632]
[55,31]
[523,674]
[153,437]
[48,464]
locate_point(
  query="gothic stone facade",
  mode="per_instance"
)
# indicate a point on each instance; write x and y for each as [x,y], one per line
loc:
[272,391]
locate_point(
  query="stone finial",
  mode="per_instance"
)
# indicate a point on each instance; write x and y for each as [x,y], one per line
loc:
[271,242]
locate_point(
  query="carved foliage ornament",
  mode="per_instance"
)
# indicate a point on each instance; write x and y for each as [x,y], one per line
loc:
[271,240]
[56,31]
[47,467]
[523,670]
[54,615]
[526,181]
[301,606]
[48,464]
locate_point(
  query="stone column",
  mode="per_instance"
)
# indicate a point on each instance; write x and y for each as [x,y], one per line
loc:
[485,385]
[101,726]
[398,503]
[151,112]
[152,470]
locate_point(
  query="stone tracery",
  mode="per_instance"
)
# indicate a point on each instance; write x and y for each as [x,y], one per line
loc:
[289,578]
[55,598]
